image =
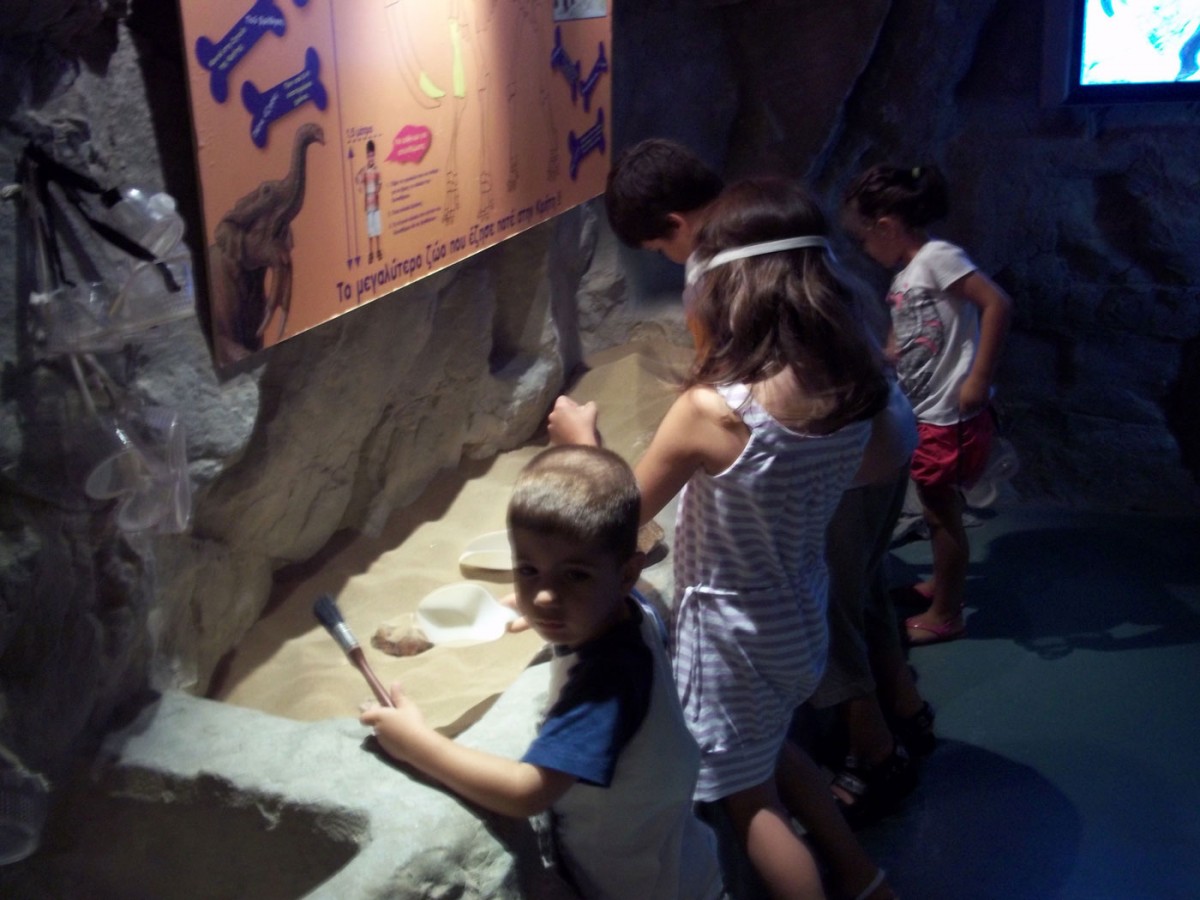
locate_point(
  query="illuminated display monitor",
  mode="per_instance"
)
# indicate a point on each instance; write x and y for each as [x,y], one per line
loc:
[1103,51]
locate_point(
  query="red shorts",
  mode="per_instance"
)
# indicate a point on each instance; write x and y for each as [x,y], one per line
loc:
[953,455]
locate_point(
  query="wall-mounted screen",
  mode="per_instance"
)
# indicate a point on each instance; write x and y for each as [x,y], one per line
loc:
[1102,51]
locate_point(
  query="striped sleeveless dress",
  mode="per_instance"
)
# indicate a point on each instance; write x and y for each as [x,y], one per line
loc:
[749,631]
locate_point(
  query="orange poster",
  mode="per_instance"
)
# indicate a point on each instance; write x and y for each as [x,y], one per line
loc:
[347,148]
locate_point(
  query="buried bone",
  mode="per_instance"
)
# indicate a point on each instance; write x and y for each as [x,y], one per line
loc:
[404,639]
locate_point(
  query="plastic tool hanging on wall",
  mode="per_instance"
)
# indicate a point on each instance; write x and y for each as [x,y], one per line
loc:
[140,278]
[134,453]
[142,461]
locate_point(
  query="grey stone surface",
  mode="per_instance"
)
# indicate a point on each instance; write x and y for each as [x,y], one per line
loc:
[332,814]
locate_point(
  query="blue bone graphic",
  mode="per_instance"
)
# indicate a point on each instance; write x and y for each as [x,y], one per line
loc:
[291,93]
[563,63]
[590,140]
[220,58]
[589,83]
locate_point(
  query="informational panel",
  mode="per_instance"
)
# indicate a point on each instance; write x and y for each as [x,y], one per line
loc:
[349,147]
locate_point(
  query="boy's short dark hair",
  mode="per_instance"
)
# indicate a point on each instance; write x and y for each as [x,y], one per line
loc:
[651,180]
[586,494]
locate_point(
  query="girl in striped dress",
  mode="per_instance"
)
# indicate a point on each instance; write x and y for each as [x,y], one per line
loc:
[765,436]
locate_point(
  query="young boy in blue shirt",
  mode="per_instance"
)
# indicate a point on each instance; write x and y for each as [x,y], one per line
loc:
[613,760]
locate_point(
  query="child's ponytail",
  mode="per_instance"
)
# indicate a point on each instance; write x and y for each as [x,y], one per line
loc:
[917,195]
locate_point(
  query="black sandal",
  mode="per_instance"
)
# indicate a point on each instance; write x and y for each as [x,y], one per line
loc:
[877,790]
[915,732]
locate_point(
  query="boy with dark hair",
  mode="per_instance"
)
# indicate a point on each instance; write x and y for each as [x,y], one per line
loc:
[657,195]
[613,760]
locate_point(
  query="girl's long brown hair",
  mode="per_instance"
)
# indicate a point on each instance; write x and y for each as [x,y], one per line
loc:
[758,316]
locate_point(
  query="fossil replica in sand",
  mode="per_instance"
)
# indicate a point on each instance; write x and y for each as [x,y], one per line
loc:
[253,245]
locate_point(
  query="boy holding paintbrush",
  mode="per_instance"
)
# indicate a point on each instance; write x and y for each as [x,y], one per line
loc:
[613,760]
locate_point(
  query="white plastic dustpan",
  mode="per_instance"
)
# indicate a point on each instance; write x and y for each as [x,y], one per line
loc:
[488,551]
[461,614]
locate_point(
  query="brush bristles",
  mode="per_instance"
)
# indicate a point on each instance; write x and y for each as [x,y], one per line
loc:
[327,613]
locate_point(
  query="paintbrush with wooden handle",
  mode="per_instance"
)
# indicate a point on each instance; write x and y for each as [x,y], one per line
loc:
[327,613]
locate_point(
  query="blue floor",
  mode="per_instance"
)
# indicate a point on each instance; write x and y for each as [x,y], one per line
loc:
[1069,716]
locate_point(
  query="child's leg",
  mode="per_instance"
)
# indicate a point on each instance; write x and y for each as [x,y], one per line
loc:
[896,688]
[764,828]
[898,693]
[943,508]
[869,739]
[853,547]
[948,458]
[804,792]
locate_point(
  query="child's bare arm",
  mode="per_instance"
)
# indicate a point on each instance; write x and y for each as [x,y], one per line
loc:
[574,423]
[698,431]
[505,786]
[995,313]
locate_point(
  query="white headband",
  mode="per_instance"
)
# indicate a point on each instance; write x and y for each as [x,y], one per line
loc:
[694,270]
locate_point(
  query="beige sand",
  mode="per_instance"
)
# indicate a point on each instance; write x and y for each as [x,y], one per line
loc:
[289,666]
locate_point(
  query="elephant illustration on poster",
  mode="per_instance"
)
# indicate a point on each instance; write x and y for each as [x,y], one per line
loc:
[251,257]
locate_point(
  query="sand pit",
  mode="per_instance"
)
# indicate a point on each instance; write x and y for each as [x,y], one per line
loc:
[287,665]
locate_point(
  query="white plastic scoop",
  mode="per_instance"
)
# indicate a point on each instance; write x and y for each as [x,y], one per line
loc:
[488,551]
[461,614]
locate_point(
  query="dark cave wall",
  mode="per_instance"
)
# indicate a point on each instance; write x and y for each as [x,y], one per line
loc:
[1084,214]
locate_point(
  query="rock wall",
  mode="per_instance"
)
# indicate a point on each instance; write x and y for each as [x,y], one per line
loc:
[1083,214]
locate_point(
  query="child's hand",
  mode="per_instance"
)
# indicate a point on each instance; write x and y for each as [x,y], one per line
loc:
[572,423]
[520,623]
[395,727]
